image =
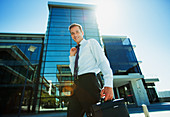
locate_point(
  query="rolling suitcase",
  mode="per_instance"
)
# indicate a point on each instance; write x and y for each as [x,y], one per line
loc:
[112,108]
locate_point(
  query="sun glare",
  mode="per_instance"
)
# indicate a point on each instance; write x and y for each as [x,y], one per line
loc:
[102,11]
[105,13]
[109,14]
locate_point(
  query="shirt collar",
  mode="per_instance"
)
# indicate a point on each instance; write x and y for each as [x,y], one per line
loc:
[82,42]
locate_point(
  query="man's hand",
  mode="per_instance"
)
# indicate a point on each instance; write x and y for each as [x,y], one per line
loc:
[73,51]
[108,91]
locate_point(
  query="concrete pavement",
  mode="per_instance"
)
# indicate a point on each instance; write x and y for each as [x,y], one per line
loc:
[155,110]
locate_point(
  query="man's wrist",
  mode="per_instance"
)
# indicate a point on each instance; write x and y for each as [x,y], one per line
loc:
[108,87]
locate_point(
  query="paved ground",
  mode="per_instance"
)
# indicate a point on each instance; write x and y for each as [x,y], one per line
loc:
[155,110]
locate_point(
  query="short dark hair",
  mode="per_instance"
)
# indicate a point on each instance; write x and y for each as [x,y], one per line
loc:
[75,24]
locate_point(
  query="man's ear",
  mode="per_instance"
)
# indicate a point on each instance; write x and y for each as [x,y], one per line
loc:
[83,33]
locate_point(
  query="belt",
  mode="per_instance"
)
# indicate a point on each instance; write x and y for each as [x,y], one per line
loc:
[84,75]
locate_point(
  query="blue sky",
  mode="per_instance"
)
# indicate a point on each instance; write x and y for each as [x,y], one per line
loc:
[145,22]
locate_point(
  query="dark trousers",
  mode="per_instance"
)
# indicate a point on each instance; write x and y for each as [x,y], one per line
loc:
[86,93]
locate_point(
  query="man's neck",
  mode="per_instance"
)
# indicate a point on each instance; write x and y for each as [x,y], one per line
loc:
[79,41]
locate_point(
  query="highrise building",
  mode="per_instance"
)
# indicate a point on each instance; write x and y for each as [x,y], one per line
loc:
[58,41]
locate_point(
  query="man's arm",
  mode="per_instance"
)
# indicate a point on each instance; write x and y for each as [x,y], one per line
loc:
[104,66]
[73,51]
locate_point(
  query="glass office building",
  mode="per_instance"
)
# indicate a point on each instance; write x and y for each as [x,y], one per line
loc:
[121,55]
[127,73]
[16,64]
[58,41]
[123,61]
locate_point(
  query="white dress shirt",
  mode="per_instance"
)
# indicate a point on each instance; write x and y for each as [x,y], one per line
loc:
[92,60]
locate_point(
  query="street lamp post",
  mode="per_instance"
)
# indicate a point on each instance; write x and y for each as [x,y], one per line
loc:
[31,49]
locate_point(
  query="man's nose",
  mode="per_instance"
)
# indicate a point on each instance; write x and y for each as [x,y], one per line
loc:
[75,35]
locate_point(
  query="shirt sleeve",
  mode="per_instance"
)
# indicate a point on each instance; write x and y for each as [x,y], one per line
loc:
[102,63]
[72,60]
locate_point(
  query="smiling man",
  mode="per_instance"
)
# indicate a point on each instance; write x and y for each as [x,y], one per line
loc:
[86,61]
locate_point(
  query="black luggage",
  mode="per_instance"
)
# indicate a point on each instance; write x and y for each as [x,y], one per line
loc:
[112,108]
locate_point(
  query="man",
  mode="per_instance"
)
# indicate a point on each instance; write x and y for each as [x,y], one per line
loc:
[91,60]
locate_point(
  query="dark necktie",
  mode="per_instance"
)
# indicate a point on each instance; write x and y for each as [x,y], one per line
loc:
[76,63]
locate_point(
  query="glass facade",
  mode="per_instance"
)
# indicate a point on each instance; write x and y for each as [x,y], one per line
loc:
[120,53]
[16,64]
[23,42]
[58,42]
[126,92]
[123,61]
[150,88]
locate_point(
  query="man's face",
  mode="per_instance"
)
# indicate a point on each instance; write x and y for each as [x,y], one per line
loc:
[76,34]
